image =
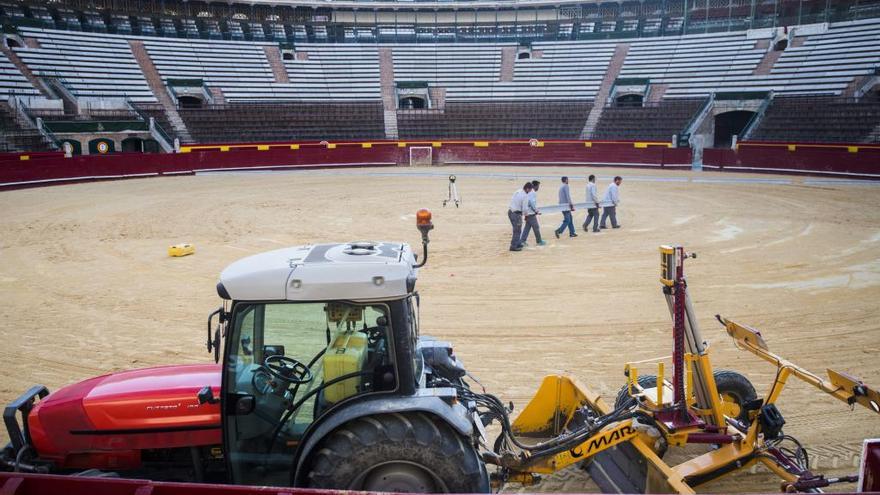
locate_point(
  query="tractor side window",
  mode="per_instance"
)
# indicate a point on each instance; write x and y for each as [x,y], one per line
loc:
[290,362]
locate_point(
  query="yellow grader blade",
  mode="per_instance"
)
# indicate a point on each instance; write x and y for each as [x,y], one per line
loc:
[618,457]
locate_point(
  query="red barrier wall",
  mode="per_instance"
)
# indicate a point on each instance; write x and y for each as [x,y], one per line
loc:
[840,160]
[22,169]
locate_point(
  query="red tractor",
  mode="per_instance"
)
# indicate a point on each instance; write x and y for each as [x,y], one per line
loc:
[325,382]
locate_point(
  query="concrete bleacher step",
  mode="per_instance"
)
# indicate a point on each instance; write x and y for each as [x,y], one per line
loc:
[154,80]
[614,66]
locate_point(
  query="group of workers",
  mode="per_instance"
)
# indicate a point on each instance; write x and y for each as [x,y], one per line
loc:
[524,209]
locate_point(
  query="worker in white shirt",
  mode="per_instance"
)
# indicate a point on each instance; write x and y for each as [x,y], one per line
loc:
[593,205]
[531,213]
[568,207]
[518,204]
[610,202]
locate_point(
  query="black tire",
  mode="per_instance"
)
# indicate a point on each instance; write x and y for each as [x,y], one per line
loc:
[623,398]
[734,387]
[399,452]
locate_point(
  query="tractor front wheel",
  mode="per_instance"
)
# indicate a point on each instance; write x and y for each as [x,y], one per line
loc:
[399,452]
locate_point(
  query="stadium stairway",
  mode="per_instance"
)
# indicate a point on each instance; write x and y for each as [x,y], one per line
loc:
[386,80]
[508,62]
[25,71]
[154,80]
[769,60]
[611,74]
[273,55]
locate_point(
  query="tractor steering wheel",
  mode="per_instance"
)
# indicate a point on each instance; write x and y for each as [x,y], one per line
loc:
[287,369]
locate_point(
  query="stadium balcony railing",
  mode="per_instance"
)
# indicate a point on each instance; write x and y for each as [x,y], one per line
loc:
[574,21]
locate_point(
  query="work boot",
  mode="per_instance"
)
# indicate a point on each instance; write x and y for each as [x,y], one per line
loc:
[542,242]
[557,233]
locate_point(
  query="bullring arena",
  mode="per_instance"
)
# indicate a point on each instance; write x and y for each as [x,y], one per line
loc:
[88,288]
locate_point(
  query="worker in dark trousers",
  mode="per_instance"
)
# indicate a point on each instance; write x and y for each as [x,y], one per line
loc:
[531,213]
[518,203]
[593,205]
[567,207]
[610,202]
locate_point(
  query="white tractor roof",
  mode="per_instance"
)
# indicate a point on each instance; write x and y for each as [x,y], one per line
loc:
[320,272]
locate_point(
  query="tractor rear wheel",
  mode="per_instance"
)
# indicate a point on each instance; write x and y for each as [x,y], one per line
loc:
[735,391]
[398,452]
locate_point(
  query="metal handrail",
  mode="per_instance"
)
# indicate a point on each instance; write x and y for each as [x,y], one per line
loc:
[146,118]
[25,114]
[699,115]
[753,122]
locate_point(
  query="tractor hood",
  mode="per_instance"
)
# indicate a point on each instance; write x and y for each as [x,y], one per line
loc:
[131,410]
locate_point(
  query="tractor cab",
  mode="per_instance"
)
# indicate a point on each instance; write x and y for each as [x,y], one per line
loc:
[309,330]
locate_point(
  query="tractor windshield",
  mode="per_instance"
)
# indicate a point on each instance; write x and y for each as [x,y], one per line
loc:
[287,364]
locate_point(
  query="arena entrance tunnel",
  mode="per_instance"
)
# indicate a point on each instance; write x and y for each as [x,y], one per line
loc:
[729,124]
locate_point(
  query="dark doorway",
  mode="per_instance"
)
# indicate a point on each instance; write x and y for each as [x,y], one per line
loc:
[524,55]
[729,124]
[132,145]
[287,56]
[412,103]
[151,146]
[780,45]
[189,102]
[631,100]
[11,43]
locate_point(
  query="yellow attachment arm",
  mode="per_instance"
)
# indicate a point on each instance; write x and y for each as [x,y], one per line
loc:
[617,433]
[839,385]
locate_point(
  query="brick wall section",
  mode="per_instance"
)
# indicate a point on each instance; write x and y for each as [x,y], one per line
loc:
[154,80]
[614,66]
[657,92]
[386,78]
[217,94]
[438,97]
[273,55]
[508,62]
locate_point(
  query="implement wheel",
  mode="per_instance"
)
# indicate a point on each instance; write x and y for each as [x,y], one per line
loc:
[624,400]
[399,452]
[735,390]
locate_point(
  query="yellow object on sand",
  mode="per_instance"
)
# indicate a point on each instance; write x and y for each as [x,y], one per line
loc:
[178,250]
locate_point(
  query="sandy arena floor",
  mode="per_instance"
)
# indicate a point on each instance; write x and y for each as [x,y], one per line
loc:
[87,287]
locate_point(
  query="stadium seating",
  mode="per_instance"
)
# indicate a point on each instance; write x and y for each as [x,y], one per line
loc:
[496,120]
[698,65]
[246,122]
[334,73]
[483,90]
[88,64]
[653,121]
[12,81]
[820,119]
